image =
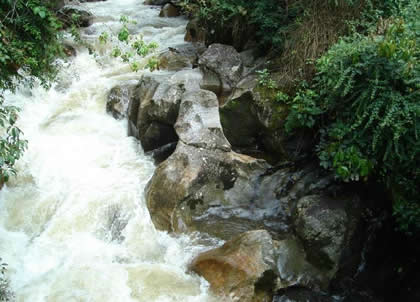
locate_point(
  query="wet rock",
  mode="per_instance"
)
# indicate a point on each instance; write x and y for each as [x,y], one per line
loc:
[198,121]
[326,226]
[174,61]
[246,132]
[190,79]
[242,269]
[153,111]
[162,153]
[70,15]
[262,122]
[195,182]
[156,135]
[222,68]
[302,295]
[294,268]
[181,56]
[118,100]
[169,10]
[223,193]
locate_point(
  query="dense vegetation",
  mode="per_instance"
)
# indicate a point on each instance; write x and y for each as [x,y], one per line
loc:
[365,101]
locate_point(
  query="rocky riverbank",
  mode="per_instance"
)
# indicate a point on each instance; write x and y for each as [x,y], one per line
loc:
[292,233]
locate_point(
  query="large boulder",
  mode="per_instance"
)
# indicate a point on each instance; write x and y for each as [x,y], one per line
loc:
[294,269]
[243,269]
[262,122]
[180,57]
[197,189]
[202,174]
[326,226]
[152,107]
[153,111]
[204,186]
[173,60]
[198,121]
[222,68]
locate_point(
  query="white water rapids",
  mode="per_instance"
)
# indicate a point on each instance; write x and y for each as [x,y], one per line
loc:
[73,223]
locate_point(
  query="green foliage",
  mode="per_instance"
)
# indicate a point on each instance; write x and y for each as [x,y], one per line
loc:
[365,100]
[124,34]
[137,47]
[303,110]
[152,64]
[28,41]
[12,145]
[265,80]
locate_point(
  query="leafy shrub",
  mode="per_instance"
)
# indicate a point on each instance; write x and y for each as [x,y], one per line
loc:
[12,145]
[129,48]
[28,41]
[365,99]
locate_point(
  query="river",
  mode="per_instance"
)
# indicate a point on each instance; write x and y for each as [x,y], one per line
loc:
[73,223]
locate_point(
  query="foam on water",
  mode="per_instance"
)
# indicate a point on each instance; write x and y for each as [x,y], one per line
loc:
[73,224]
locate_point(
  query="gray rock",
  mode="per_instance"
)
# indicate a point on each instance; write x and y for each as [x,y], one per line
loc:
[190,79]
[198,121]
[181,56]
[325,227]
[262,122]
[154,105]
[157,135]
[118,100]
[193,182]
[174,61]
[222,69]
[162,153]
[294,269]
[153,111]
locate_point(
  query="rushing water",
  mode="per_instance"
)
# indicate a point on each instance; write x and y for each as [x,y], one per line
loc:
[73,223]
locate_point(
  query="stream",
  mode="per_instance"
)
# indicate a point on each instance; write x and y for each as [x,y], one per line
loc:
[74,225]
